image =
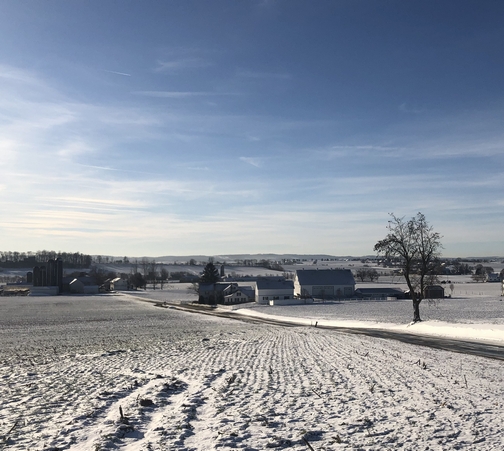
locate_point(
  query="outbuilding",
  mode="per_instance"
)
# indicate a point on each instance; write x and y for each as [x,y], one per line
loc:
[433,292]
[274,289]
[119,284]
[325,283]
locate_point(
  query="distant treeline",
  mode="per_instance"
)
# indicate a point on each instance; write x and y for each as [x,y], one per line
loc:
[9,259]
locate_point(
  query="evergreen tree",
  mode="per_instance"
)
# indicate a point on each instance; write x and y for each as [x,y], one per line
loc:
[210,274]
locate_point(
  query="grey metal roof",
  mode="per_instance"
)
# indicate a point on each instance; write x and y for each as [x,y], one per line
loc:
[274,284]
[325,277]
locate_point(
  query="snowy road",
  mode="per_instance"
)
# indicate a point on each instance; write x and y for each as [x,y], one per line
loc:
[461,346]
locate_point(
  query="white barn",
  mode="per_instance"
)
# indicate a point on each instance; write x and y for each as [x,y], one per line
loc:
[274,289]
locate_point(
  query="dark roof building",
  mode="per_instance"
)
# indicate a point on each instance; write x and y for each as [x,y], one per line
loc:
[325,283]
[434,292]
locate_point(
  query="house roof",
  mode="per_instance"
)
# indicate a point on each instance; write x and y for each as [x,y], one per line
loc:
[218,287]
[325,277]
[86,281]
[274,284]
[246,291]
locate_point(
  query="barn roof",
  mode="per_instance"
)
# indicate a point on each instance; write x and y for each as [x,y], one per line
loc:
[325,277]
[274,284]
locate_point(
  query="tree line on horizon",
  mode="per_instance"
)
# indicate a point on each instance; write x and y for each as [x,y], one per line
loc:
[14,259]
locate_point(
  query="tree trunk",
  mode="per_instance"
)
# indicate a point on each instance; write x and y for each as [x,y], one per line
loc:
[416,311]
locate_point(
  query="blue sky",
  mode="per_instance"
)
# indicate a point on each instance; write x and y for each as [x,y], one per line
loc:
[212,127]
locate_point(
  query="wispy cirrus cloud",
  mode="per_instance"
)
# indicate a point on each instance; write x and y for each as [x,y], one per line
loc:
[263,75]
[343,151]
[14,74]
[405,108]
[117,73]
[181,94]
[251,161]
[74,149]
[173,65]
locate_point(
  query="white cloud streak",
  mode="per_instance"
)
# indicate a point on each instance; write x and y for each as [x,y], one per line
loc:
[169,66]
[181,94]
[256,162]
[263,75]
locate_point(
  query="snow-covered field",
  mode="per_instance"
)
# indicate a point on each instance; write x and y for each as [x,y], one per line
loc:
[111,372]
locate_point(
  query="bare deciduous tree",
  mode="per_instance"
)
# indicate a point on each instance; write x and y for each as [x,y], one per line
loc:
[417,246]
[153,273]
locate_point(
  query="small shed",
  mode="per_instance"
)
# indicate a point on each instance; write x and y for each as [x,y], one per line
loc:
[434,292]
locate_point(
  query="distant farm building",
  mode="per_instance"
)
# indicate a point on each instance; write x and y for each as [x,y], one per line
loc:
[494,277]
[325,283]
[243,294]
[48,279]
[379,293]
[274,291]
[434,292]
[83,285]
[225,293]
[119,284]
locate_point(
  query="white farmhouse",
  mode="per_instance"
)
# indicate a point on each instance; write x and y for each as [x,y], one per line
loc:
[324,283]
[240,295]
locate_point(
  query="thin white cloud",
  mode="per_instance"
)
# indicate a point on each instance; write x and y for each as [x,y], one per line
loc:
[10,73]
[167,66]
[344,151]
[108,168]
[180,94]
[252,161]
[263,75]
[74,149]
[405,108]
[365,147]
[117,73]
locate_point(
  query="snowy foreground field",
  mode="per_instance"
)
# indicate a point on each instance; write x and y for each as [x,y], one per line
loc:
[112,372]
